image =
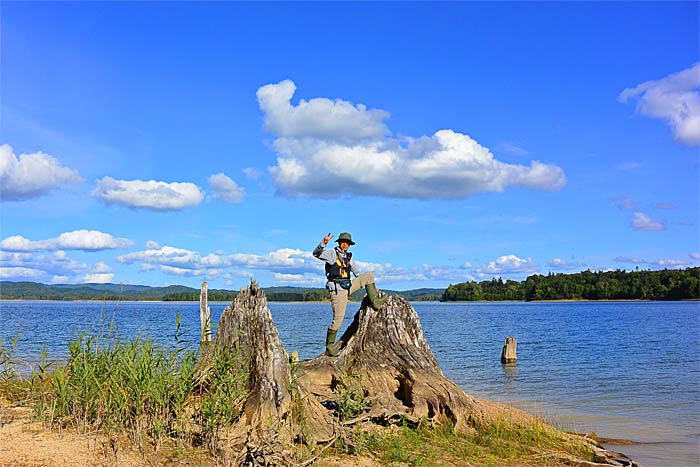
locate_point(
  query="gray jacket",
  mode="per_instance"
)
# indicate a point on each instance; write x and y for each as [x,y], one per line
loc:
[329,256]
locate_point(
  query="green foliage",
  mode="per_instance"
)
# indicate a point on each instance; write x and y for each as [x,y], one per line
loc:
[352,400]
[112,292]
[213,295]
[508,439]
[497,443]
[151,392]
[111,386]
[611,285]
[615,285]
[420,295]
[226,391]
[8,364]
[12,386]
[493,290]
[316,295]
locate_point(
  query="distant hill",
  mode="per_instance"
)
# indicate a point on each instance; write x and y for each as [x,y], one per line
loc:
[126,292]
[36,291]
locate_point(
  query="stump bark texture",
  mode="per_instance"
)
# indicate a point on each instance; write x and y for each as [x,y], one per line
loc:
[246,326]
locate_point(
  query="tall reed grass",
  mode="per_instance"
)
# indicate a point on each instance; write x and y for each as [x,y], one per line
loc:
[154,393]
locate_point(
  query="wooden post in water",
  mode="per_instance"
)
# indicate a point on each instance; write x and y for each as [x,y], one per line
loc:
[204,315]
[508,355]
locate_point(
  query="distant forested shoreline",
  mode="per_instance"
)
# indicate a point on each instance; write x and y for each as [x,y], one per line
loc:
[667,284]
[125,292]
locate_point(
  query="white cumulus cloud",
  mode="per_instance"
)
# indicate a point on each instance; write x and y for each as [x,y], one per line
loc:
[225,188]
[151,194]
[641,221]
[180,261]
[101,274]
[20,273]
[675,99]
[31,175]
[508,264]
[695,256]
[317,118]
[288,260]
[315,280]
[152,245]
[86,240]
[331,148]
[670,263]
[24,265]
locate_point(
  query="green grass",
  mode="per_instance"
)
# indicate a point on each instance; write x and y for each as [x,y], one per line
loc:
[154,394]
[352,401]
[500,443]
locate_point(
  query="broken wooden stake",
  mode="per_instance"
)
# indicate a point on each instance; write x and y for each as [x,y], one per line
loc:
[204,315]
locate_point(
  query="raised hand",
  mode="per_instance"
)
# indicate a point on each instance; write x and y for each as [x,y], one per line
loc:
[327,238]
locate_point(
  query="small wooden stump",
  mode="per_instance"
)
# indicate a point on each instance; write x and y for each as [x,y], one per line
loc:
[509,353]
[204,315]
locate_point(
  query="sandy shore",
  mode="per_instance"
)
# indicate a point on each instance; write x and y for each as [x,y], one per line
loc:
[27,443]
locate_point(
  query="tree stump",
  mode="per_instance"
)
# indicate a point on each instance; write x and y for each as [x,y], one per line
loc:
[398,372]
[246,327]
[509,352]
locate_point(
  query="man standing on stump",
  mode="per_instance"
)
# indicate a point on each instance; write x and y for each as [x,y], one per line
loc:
[339,266]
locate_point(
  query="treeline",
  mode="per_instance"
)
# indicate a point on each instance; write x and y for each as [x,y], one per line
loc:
[668,284]
[10,290]
[212,296]
[228,296]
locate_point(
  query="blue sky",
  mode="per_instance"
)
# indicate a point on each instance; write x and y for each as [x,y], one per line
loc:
[169,143]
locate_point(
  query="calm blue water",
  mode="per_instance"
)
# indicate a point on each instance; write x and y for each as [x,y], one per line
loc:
[624,369]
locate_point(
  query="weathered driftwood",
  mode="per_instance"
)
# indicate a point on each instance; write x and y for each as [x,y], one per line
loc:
[384,351]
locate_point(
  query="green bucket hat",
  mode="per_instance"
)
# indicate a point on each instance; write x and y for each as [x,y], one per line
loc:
[345,236]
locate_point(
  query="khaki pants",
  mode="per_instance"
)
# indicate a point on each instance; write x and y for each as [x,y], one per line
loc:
[339,297]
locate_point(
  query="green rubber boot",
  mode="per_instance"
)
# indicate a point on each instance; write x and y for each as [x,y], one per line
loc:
[374,299]
[330,342]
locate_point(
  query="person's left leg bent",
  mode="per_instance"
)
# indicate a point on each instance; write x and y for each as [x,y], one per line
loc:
[361,281]
[366,280]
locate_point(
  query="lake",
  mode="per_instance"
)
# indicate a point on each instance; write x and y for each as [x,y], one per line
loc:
[622,369]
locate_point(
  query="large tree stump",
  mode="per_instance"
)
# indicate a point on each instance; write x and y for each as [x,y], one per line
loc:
[398,372]
[246,326]
[384,352]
